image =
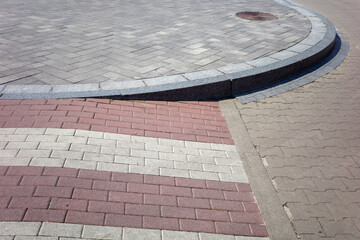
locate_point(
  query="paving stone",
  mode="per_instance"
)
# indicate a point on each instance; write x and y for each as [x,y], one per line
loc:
[60,229]
[23,228]
[102,232]
[131,233]
[176,235]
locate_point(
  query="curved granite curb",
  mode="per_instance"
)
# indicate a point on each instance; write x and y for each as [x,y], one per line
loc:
[210,84]
[332,61]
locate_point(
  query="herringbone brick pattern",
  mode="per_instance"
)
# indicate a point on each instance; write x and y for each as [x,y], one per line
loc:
[66,42]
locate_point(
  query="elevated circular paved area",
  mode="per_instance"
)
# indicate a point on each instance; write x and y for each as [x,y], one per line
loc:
[201,52]
[71,42]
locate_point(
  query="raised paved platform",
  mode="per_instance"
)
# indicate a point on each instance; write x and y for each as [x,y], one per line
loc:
[232,56]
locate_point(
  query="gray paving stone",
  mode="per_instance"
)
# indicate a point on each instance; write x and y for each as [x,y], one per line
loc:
[83,48]
[101,232]
[141,234]
[60,229]
[23,228]
[177,235]
[76,88]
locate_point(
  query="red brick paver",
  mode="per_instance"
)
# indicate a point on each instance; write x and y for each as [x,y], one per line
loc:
[193,121]
[128,200]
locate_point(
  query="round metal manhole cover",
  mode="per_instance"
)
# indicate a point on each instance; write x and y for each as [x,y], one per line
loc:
[258,16]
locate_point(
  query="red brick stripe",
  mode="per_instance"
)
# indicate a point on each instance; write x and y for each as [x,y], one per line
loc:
[193,121]
[128,200]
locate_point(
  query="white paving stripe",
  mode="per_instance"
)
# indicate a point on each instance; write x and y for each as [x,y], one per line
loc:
[62,231]
[82,149]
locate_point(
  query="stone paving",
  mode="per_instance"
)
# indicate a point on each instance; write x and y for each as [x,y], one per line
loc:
[109,169]
[308,140]
[120,182]
[90,42]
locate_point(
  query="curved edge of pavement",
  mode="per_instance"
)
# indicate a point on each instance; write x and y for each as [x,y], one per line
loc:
[210,84]
[332,61]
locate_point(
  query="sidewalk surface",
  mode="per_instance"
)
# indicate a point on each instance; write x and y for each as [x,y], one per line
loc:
[285,167]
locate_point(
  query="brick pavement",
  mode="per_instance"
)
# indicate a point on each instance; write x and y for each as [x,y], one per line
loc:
[73,42]
[142,186]
[308,140]
[193,121]
[37,194]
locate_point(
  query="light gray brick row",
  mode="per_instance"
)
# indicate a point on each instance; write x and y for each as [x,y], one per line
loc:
[140,155]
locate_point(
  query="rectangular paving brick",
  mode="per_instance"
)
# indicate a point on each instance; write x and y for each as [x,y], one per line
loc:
[100,175]
[44,215]
[193,202]
[161,223]
[45,191]
[233,228]
[125,197]
[29,202]
[11,214]
[67,172]
[68,204]
[175,191]
[221,185]
[187,182]
[85,218]
[143,188]
[64,119]
[142,210]
[106,207]
[90,194]
[161,180]
[226,205]
[177,212]
[24,171]
[239,196]
[259,230]
[109,185]
[197,226]
[74,182]
[208,193]
[9,180]
[212,215]
[246,217]
[127,177]
[251,207]
[159,200]
[16,191]
[123,221]
[243,187]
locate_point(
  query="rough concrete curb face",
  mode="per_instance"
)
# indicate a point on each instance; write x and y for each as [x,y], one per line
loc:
[211,84]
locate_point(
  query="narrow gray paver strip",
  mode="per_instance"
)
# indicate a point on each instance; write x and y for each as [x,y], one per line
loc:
[102,232]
